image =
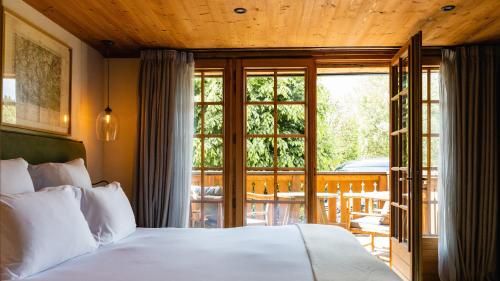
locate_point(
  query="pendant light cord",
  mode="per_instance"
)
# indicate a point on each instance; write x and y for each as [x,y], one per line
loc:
[107,44]
[107,55]
[108,82]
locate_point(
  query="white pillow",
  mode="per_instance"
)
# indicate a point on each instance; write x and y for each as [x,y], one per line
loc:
[39,230]
[108,213]
[55,174]
[14,177]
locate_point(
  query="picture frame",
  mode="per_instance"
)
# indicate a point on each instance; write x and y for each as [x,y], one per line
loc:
[36,78]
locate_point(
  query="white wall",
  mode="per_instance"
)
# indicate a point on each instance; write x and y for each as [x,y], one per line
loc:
[86,87]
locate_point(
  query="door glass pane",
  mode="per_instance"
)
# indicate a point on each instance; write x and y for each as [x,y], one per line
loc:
[196,152]
[260,186]
[290,186]
[289,214]
[424,86]
[404,73]
[291,88]
[260,152]
[260,119]
[214,215]
[197,87]
[197,119]
[213,87]
[259,214]
[424,118]
[260,88]
[424,152]
[291,119]
[196,221]
[213,119]
[435,151]
[213,188]
[213,152]
[291,152]
[435,84]
[435,118]
[404,112]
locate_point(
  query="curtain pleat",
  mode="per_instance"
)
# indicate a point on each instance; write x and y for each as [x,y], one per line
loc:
[469,166]
[163,160]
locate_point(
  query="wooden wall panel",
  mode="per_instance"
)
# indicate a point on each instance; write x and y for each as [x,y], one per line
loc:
[430,258]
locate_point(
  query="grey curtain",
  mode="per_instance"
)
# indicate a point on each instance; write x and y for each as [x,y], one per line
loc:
[165,136]
[468,191]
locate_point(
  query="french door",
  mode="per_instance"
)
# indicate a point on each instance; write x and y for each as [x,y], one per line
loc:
[406,159]
[272,145]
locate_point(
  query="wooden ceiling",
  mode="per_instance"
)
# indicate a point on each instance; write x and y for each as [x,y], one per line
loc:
[201,24]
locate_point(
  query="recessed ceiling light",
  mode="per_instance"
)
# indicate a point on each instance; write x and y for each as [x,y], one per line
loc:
[448,8]
[240,10]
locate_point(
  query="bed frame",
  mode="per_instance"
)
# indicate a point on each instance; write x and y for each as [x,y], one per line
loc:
[38,148]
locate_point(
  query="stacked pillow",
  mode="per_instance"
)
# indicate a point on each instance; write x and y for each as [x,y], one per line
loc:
[14,177]
[54,174]
[63,219]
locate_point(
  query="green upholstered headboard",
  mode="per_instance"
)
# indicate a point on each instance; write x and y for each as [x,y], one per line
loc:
[36,149]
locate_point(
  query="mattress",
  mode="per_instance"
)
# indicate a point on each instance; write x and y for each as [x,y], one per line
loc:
[248,253]
[245,253]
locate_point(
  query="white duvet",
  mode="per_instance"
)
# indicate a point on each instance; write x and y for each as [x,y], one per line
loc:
[247,253]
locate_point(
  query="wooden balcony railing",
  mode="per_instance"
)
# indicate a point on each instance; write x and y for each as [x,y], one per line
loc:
[336,209]
[290,189]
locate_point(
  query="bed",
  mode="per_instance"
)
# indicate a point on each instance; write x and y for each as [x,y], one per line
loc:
[294,252]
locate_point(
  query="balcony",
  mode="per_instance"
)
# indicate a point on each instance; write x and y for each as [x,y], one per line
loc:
[286,205]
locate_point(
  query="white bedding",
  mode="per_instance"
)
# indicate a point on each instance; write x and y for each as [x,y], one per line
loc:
[248,253]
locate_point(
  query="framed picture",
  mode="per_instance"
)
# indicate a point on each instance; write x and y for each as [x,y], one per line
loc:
[36,84]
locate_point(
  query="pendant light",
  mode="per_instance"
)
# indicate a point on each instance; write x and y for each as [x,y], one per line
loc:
[106,122]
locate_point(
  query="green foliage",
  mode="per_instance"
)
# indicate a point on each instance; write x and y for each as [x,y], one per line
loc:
[213,152]
[291,119]
[291,88]
[213,89]
[213,119]
[260,119]
[291,152]
[260,152]
[260,88]
[197,88]
[352,119]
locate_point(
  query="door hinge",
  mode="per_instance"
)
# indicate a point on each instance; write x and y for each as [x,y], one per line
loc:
[234,203]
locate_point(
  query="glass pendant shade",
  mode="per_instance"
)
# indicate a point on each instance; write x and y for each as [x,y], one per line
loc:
[106,125]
